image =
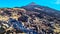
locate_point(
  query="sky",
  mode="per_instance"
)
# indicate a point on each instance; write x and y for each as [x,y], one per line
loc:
[55,4]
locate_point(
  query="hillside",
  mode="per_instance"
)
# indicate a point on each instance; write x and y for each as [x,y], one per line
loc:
[30,19]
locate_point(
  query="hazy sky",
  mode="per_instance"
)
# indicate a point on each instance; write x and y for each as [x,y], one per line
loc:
[12,3]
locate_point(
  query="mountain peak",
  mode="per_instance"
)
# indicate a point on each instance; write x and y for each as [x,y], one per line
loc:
[32,3]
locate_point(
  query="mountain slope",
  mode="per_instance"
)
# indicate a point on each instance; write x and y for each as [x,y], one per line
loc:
[37,8]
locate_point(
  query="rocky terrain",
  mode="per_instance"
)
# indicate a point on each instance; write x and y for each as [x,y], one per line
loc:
[29,19]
